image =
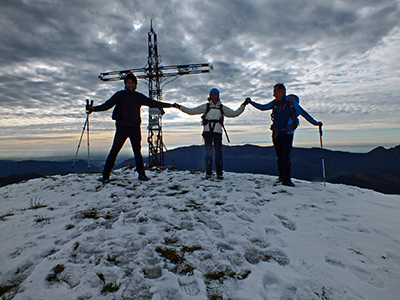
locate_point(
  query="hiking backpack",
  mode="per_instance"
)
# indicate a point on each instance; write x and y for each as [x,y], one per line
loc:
[293,115]
[205,121]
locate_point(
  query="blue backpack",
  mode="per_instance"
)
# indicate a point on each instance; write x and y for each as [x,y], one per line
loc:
[293,114]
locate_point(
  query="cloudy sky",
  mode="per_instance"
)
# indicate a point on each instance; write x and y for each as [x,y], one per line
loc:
[341,57]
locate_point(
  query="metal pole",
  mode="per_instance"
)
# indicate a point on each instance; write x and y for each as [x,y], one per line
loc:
[83,131]
[88,144]
[322,154]
[80,140]
[176,166]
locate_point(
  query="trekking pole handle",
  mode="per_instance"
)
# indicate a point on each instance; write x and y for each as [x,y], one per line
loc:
[87,105]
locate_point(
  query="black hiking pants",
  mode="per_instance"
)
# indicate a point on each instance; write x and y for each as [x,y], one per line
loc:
[283,147]
[121,135]
[213,139]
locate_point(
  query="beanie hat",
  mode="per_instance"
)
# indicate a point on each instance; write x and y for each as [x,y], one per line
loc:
[214,90]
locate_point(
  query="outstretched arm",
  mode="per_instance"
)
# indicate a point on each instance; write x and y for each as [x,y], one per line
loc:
[106,105]
[300,111]
[153,103]
[267,106]
[230,113]
[201,109]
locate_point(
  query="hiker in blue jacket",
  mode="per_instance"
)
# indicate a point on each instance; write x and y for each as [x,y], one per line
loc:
[285,110]
[213,113]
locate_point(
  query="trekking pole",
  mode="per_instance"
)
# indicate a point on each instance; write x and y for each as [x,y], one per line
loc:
[88,144]
[226,134]
[80,140]
[165,146]
[83,131]
[322,154]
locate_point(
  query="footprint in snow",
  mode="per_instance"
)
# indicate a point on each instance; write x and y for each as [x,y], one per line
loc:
[361,273]
[277,255]
[189,286]
[271,231]
[244,217]
[286,222]
[253,256]
[272,285]
[259,243]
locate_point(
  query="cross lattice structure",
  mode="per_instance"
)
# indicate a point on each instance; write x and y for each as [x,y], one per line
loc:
[156,77]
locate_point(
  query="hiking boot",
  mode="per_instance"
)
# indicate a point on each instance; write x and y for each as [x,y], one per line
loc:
[105,179]
[220,177]
[279,180]
[288,183]
[208,176]
[143,177]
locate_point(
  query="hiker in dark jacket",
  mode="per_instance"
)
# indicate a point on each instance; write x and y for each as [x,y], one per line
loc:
[213,113]
[127,118]
[285,110]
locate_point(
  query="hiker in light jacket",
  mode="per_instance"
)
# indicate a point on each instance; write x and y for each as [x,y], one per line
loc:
[285,110]
[213,113]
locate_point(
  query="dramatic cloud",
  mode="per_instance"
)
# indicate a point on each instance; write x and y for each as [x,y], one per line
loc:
[339,56]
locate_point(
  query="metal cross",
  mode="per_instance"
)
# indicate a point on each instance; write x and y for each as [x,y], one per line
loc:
[156,77]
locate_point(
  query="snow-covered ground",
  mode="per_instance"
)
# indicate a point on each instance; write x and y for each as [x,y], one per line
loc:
[179,236]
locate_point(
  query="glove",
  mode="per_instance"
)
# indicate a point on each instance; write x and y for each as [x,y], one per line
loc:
[247,101]
[320,124]
[176,105]
[89,109]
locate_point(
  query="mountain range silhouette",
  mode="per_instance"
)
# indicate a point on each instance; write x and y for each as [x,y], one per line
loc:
[379,169]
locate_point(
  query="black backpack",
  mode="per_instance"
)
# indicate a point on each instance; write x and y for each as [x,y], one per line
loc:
[205,121]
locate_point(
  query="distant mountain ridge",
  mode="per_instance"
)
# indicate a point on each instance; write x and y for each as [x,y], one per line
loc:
[16,171]
[378,169]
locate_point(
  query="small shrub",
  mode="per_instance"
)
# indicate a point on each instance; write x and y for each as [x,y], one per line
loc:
[142,219]
[101,276]
[53,275]
[76,246]
[90,214]
[108,215]
[112,259]
[4,217]
[171,254]
[174,187]
[35,203]
[8,291]
[185,269]
[40,219]
[172,240]
[221,275]
[191,249]
[110,288]
[217,275]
